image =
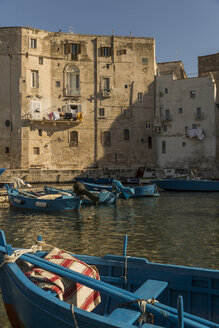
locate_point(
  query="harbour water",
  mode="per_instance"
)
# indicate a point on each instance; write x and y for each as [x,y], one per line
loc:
[175,228]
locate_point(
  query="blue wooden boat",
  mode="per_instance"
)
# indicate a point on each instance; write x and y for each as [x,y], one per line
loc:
[148,190]
[105,197]
[124,192]
[188,185]
[134,293]
[40,201]
[1,171]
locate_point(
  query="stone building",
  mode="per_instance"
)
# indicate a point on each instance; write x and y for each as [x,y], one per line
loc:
[209,65]
[184,119]
[73,101]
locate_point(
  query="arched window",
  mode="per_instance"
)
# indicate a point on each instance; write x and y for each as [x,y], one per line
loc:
[72,80]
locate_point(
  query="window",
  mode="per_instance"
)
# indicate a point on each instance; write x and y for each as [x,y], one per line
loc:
[180,110]
[106,139]
[35,109]
[58,84]
[102,112]
[192,94]
[7,151]
[72,80]
[167,115]
[34,79]
[163,147]
[140,96]
[74,49]
[149,142]
[126,134]
[144,61]
[105,51]
[41,60]
[121,52]
[165,128]
[166,90]
[184,144]
[73,140]
[198,113]
[40,132]
[36,150]
[194,126]
[148,125]
[106,83]
[33,43]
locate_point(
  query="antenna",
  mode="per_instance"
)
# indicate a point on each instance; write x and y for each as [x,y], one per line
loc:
[177,53]
[70,29]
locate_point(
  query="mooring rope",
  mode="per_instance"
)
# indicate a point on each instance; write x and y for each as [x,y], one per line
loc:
[18,253]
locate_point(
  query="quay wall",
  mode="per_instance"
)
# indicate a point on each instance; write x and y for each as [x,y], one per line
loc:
[63,176]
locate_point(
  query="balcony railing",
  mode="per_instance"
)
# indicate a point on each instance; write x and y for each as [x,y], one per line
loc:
[105,93]
[71,92]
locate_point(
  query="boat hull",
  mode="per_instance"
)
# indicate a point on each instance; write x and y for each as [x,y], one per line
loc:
[28,306]
[105,197]
[188,185]
[63,203]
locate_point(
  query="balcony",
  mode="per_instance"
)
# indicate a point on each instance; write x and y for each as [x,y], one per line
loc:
[71,92]
[198,116]
[105,93]
[54,117]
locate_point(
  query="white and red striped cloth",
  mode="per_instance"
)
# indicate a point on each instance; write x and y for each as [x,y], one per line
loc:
[69,291]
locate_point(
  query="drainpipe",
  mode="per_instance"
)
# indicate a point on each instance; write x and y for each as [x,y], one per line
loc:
[95,164]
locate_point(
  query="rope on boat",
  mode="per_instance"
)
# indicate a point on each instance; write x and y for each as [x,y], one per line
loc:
[18,253]
[144,317]
[74,317]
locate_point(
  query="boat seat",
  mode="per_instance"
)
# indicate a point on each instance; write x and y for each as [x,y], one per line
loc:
[150,289]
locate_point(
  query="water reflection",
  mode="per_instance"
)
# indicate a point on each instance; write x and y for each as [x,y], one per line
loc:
[175,228]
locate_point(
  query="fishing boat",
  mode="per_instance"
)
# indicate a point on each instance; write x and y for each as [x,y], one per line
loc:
[188,184]
[106,292]
[32,200]
[104,197]
[126,192]
[1,171]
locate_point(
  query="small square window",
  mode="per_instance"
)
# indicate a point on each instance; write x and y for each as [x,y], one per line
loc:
[58,84]
[36,150]
[184,144]
[140,96]
[41,60]
[194,126]
[7,151]
[166,90]
[126,86]
[144,61]
[180,110]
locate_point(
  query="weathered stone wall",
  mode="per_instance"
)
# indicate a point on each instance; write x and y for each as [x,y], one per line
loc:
[209,65]
[46,144]
[181,151]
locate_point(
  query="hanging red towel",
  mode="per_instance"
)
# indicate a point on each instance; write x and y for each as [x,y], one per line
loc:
[71,292]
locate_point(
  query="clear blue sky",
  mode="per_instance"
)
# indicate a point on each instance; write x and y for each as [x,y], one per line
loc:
[183,29]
